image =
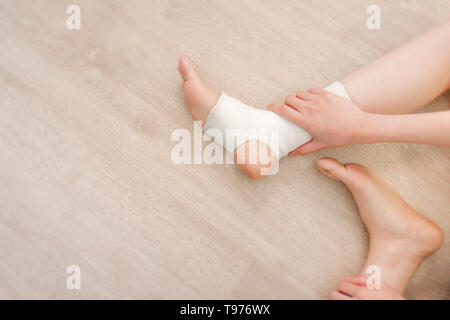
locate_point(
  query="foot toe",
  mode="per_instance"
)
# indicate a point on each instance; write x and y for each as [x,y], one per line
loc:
[333,169]
[353,175]
[186,69]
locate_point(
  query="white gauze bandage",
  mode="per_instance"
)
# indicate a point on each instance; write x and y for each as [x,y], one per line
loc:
[239,123]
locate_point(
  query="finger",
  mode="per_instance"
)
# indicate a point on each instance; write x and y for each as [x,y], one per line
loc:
[348,288]
[309,147]
[305,95]
[335,295]
[317,90]
[288,113]
[296,103]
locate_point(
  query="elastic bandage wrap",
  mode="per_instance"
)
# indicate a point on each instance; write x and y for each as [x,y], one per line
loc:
[239,123]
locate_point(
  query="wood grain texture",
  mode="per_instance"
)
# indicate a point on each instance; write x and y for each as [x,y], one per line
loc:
[85,173]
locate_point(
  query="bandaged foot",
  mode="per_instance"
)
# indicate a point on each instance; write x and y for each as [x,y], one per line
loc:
[200,100]
[257,138]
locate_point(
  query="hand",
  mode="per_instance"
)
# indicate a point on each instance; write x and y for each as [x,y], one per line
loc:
[356,289]
[331,120]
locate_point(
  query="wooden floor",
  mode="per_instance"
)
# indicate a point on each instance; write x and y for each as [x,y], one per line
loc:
[86,178]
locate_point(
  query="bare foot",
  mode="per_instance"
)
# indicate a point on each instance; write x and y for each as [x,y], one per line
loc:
[356,289]
[200,99]
[400,237]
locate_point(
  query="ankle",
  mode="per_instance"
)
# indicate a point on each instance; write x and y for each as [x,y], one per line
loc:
[395,267]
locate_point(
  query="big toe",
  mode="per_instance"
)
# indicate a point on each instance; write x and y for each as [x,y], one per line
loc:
[353,175]
[186,69]
[333,169]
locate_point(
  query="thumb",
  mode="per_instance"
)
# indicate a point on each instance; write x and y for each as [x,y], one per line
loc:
[309,147]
